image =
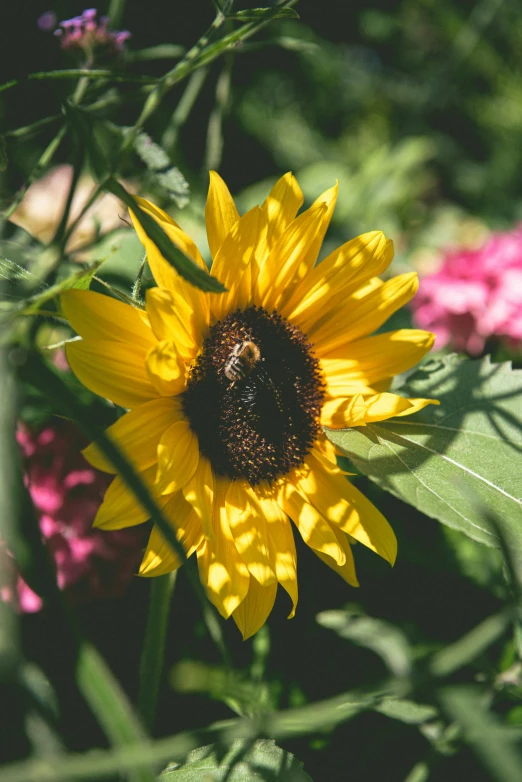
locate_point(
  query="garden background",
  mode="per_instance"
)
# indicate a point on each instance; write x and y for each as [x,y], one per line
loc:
[416,108]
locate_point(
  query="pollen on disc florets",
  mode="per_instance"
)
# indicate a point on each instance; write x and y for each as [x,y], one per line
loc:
[262,423]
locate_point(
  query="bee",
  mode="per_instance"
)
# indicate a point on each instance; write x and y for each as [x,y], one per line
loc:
[241,361]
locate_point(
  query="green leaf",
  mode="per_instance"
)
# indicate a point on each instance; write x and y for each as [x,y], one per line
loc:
[262,761]
[382,638]
[451,460]
[263,14]
[493,743]
[470,646]
[3,154]
[32,305]
[159,164]
[183,265]
[406,711]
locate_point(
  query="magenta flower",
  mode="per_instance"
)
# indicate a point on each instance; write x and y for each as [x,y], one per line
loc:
[475,295]
[66,492]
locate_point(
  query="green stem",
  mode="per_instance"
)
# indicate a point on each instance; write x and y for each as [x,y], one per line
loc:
[183,109]
[153,654]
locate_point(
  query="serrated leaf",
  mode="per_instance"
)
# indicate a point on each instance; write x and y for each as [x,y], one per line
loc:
[381,637]
[450,461]
[184,266]
[263,14]
[168,176]
[33,304]
[264,761]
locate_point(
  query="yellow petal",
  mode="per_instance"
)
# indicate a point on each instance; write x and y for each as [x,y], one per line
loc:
[114,370]
[255,609]
[166,369]
[358,317]
[199,491]
[168,323]
[95,316]
[249,531]
[222,570]
[178,456]
[337,500]
[281,542]
[220,213]
[373,359]
[315,531]
[137,434]
[161,268]
[288,261]
[279,209]
[159,557]
[233,265]
[187,298]
[344,412]
[346,571]
[120,508]
[341,273]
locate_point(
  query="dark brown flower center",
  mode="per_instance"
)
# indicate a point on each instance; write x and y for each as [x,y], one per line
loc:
[254,396]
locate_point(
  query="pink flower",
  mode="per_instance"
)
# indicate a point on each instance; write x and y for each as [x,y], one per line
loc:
[87,36]
[66,493]
[475,295]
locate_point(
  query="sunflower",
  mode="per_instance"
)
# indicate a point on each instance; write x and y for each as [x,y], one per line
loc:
[228,394]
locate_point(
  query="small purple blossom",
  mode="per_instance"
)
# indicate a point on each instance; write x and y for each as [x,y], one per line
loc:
[86,35]
[475,295]
[47,21]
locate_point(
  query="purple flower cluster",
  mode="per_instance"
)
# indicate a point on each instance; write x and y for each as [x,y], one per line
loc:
[475,295]
[66,493]
[85,34]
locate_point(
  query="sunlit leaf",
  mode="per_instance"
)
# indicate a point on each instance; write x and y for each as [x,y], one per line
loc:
[262,761]
[450,460]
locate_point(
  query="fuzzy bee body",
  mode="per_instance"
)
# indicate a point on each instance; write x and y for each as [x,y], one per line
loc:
[241,361]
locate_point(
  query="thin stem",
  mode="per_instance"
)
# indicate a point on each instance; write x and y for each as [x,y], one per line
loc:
[153,654]
[97,191]
[59,236]
[214,145]
[183,109]
[115,13]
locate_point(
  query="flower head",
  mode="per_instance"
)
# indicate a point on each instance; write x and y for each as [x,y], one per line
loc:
[66,492]
[475,294]
[87,36]
[228,393]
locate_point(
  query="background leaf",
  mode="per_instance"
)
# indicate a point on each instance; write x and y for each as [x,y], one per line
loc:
[168,176]
[449,460]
